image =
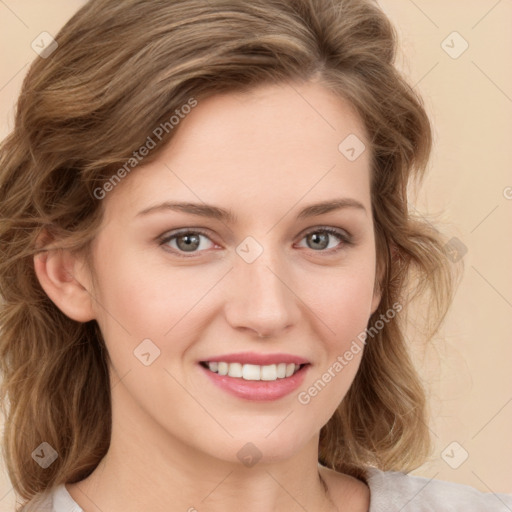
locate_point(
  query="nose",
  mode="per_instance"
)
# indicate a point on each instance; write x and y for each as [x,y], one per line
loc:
[262,300]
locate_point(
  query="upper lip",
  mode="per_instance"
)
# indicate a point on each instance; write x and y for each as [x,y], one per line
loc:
[259,359]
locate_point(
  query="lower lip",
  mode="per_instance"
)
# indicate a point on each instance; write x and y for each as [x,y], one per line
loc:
[258,390]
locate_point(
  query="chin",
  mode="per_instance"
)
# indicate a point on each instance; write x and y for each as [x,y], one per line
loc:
[269,447]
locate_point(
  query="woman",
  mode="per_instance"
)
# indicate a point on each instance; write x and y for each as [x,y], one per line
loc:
[208,258]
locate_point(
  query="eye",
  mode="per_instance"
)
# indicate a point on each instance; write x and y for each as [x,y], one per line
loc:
[318,239]
[191,241]
[185,241]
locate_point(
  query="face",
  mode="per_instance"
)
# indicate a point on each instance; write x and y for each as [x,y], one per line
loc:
[180,287]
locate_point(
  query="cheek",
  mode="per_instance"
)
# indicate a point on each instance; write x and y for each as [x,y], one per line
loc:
[149,297]
[342,300]
[343,309]
[350,307]
[145,296]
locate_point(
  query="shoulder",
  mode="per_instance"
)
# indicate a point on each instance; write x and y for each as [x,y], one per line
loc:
[347,490]
[56,499]
[392,491]
[41,502]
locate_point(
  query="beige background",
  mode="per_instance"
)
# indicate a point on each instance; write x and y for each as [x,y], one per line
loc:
[469,99]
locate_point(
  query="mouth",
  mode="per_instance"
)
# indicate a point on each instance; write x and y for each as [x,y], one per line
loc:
[253,372]
[256,377]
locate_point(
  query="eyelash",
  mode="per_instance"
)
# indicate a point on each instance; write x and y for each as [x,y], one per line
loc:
[345,239]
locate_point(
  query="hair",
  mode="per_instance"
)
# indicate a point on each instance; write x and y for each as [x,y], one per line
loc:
[122,69]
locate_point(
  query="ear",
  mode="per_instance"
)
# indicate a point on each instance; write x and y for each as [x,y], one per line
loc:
[62,277]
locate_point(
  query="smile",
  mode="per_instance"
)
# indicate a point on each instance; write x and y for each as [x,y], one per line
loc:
[252,372]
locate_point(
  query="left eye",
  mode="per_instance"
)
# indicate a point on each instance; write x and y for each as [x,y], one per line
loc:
[322,242]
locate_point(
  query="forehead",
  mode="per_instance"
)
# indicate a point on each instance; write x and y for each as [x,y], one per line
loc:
[274,143]
[270,119]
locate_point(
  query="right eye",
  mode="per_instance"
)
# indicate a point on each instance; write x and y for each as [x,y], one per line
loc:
[185,241]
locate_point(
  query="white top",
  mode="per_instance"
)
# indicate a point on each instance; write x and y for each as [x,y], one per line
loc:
[390,491]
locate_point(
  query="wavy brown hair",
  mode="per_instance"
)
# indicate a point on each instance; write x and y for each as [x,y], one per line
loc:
[120,70]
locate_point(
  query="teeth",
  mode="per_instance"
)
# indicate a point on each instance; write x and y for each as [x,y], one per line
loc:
[235,370]
[269,372]
[250,371]
[223,368]
[254,371]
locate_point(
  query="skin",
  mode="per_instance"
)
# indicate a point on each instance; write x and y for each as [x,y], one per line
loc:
[264,155]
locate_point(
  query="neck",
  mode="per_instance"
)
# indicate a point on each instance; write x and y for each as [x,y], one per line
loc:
[133,480]
[146,468]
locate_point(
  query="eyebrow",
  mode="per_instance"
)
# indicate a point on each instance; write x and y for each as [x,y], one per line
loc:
[216,212]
